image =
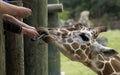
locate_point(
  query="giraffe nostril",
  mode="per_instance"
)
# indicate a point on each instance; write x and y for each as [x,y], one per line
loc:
[84,37]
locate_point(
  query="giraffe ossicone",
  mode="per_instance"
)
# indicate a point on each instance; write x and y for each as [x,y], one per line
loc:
[78,43]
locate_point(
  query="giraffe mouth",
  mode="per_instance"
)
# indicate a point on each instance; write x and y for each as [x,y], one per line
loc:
[42,35]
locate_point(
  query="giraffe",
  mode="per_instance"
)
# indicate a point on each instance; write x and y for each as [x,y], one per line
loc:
[78,43]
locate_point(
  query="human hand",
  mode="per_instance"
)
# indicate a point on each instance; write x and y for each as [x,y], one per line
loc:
[24,12]
[32,33]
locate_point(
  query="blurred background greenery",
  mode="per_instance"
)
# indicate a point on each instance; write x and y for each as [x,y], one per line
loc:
[102,12]
[98,8]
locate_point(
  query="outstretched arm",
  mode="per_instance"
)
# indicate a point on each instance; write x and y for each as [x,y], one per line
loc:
[18,22]
[11,23]
[6,8]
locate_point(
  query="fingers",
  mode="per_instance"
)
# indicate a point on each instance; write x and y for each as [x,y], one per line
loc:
[30,32]
[7,16]
[36,34]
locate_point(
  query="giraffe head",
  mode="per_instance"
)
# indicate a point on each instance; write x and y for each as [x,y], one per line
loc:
[77,42]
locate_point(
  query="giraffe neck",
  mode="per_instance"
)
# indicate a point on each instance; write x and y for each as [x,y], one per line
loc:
[100,64]
[104,65]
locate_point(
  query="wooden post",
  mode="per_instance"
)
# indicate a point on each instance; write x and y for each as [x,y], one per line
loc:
[14,52]
[2,50]
[53,8]
[53,53]
[36,53]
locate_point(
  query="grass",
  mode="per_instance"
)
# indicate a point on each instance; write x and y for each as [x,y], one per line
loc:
[75,68]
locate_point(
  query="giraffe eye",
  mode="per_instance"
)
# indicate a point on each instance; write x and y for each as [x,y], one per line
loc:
[84,37]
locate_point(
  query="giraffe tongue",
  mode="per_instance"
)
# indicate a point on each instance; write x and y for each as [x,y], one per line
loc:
[41,36]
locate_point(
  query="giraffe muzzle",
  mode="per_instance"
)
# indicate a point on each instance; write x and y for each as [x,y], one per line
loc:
[41,36]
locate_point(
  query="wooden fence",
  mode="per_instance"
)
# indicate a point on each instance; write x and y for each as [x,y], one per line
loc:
[19,55]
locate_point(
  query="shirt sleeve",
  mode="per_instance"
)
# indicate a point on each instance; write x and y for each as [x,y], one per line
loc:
[12,27]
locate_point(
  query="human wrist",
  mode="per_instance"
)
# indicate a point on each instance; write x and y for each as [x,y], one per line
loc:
[24,30]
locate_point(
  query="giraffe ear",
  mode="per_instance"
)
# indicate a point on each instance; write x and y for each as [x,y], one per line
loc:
[109,52]
[97,30]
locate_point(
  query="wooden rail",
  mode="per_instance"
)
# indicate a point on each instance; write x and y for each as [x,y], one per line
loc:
[53,8]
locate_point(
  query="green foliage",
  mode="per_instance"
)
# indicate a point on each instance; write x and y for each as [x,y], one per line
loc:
[65,15]
[97,8]
[106,16]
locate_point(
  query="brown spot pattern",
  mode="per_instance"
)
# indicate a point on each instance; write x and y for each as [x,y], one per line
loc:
[114,74]
[64,35]
[99,73]
[77,57]
[88,44]
[79,52]
[116,65]
[88,64]
[68,48]
[79,26]
[100,64]
[58,33]
[100,58]
[71,29]
[83,47]
[106,58]
[94,34]
[75,45]
[83,57]
[87,52]
[108,69]
[70,40]
[64,31]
